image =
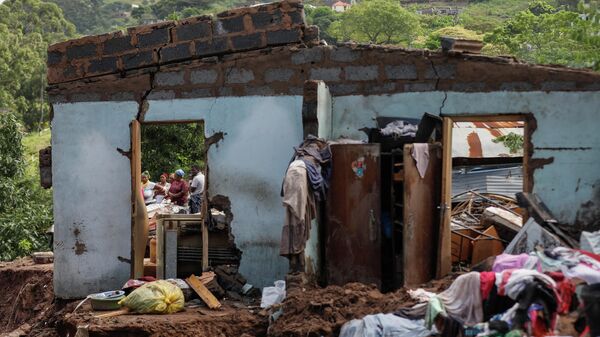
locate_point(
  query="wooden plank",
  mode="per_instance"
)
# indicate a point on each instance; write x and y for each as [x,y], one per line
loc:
[489,118]
[444,253]
[203,292]
[139,218]
[204,212]
[421,220]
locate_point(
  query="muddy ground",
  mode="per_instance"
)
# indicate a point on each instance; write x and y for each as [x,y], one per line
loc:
[27,308]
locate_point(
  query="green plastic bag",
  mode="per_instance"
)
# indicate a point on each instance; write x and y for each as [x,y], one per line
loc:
[158,297]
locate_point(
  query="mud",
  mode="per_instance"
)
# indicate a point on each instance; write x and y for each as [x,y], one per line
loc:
[28,308]
[322,312]
[201,322]
[26,304]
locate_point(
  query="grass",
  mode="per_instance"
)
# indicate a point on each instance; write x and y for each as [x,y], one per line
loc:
[33,142]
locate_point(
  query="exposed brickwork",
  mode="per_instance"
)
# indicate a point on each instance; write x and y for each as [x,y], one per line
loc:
[236,30]
[263,50]
[374,70]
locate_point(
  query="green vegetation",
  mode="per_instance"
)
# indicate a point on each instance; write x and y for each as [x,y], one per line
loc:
[168,147]
[27,27]
[25,208]
[377,21]
[512,141]
[543,34]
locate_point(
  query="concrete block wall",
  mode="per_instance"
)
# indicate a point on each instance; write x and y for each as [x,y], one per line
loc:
[171,41]
[347,70]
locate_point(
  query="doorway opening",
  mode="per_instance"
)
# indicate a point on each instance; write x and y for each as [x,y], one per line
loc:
[173,216]
[487,157]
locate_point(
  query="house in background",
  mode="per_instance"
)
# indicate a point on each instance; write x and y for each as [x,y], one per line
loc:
[341,6]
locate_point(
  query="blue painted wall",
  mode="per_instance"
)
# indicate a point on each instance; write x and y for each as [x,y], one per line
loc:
[567,131]
[92,196]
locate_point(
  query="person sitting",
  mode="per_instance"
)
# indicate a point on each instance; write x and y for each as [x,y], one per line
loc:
[147,188]
[196,189]
[178,192]
[162,187]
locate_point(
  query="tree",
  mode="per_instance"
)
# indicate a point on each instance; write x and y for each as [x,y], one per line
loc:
[27,27]
[166,148]
[542,34]
[322,17]
[377,21]
[25,209]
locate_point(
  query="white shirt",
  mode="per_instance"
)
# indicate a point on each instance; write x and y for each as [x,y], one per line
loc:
[198,183]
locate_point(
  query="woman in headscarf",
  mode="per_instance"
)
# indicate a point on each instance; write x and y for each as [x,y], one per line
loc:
[147,188]
[178,192]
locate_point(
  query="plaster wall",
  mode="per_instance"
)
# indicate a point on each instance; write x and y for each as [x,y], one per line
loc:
[324,111]
[92,196]
[567,134]
[247,166]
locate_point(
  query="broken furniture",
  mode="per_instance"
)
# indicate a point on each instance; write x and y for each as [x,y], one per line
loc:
[481,224]
[181,246]
[382,216]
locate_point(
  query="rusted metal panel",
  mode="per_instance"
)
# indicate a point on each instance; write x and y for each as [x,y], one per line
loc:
[353,233]
[421,216]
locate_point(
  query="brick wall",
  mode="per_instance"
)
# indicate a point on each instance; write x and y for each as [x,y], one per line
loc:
[236,30]
[347,70]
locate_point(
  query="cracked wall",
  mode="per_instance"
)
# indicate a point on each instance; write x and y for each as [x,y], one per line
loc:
[244,73]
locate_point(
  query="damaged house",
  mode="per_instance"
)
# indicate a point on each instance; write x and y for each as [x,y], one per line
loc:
[261,81]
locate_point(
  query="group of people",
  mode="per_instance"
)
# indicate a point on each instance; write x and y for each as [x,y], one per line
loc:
[176,188]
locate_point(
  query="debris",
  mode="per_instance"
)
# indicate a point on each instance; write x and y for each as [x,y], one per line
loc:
[481,223]
[158,297]
[531,236]
[273,295]
[208,298]
[43,257]
[209,279]
[499,217]
[542,215]
[590,241]
[229,278]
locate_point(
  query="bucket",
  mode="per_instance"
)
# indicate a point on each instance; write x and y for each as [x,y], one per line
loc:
[107,300]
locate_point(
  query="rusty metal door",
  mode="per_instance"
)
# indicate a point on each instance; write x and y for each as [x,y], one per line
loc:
[353,233]
[421,216]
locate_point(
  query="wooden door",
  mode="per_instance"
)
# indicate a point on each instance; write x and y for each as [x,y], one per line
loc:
[421,215]
[353,231]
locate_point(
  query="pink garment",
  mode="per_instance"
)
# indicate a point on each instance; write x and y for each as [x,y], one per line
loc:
[508,261]
[487,279]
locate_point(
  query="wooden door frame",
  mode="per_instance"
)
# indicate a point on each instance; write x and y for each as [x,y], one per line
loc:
[444,265]
[137,228]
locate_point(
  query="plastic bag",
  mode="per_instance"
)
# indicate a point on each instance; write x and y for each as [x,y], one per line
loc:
[159,297]
[273,295]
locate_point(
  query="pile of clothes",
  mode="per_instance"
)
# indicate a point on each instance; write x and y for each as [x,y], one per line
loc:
[521,295]
[305,184]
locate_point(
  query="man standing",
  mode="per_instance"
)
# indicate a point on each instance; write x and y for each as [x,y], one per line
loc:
[196,189]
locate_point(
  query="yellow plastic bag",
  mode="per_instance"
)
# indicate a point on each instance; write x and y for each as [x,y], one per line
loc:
[158,297]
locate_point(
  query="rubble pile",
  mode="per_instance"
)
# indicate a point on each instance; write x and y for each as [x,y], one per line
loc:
[323,311]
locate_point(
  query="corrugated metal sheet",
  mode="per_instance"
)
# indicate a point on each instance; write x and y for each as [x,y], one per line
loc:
[506,181]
